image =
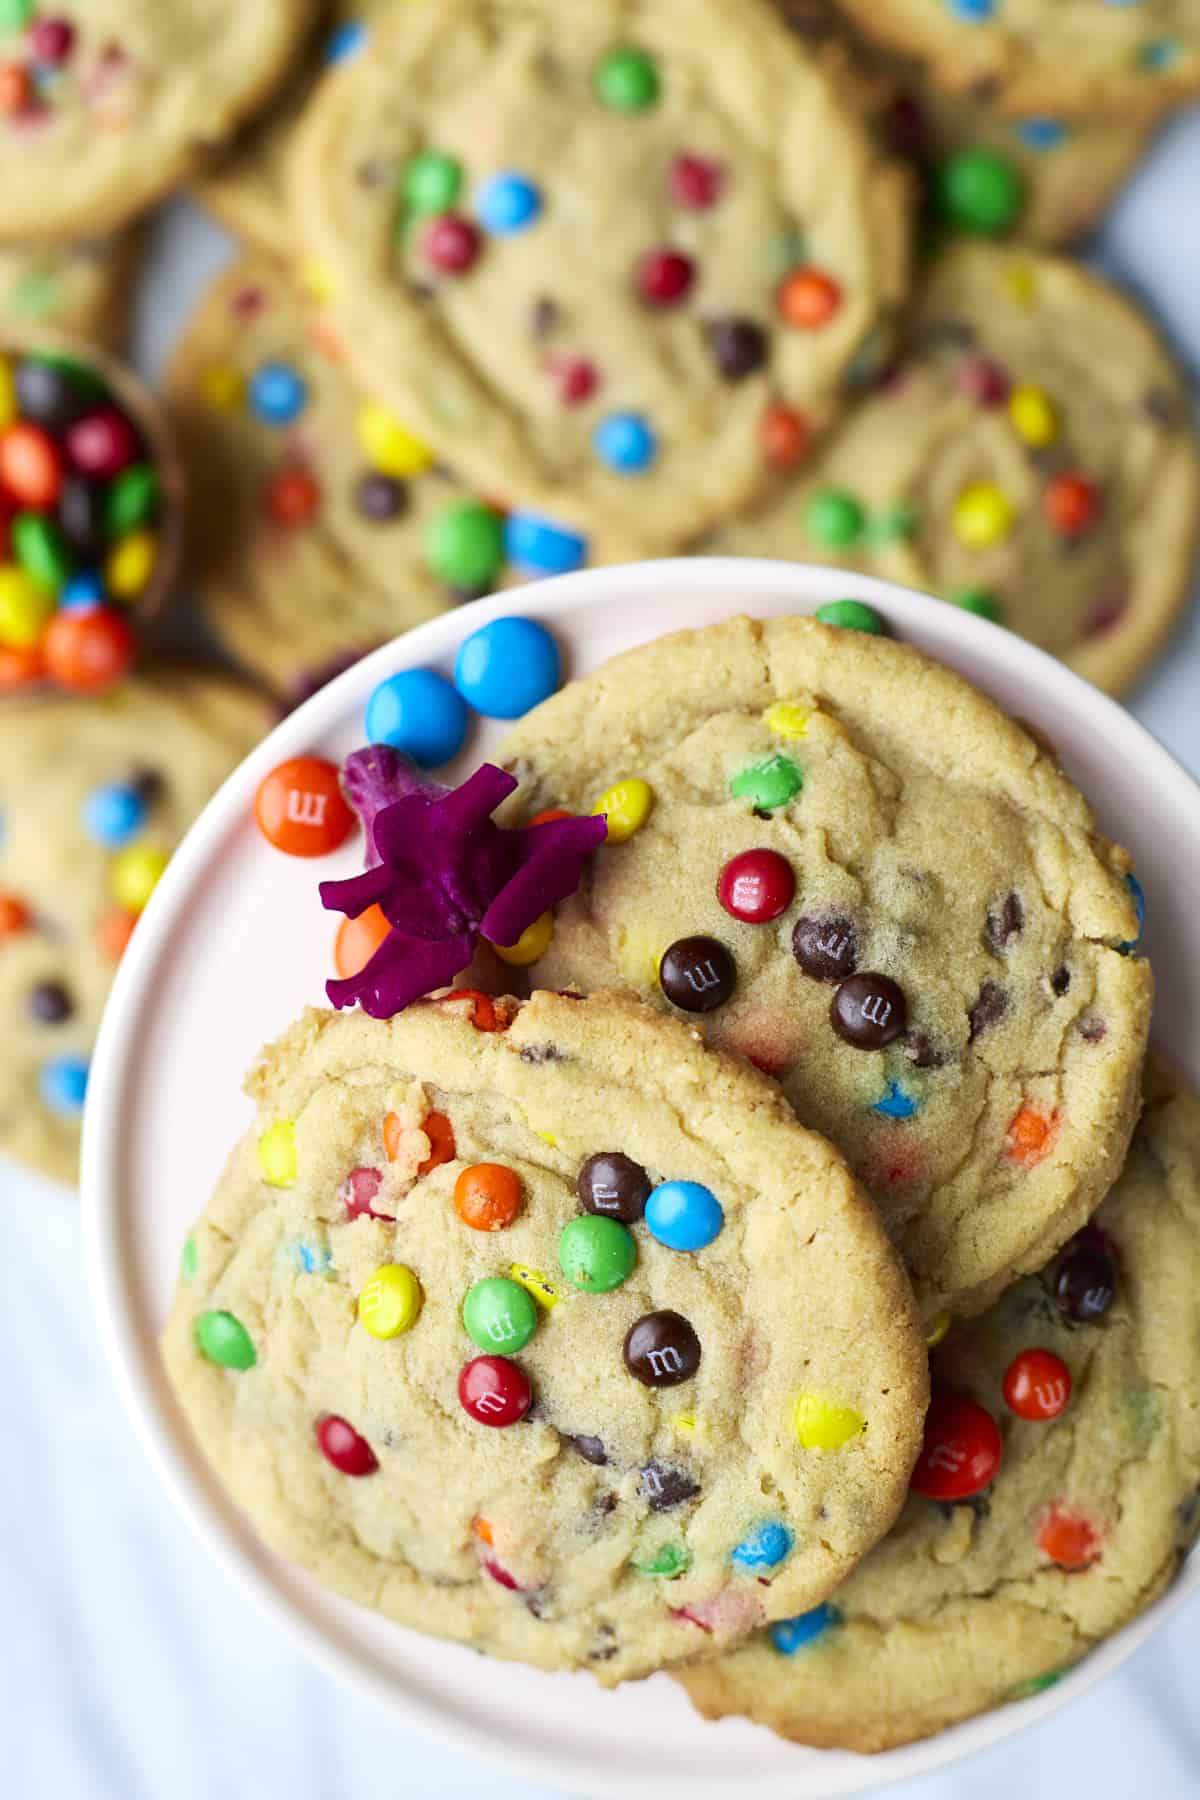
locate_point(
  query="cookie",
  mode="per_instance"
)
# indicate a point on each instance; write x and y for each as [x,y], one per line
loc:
[321,526]
[248,189]
[108,105]
[1031,456]
[94,794]
[571,1218]
[1083,1380]
[1042,179]
[80,288]
[1085,59]
[848,865]
[597,260]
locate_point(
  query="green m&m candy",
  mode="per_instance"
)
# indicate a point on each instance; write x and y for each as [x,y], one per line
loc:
[189,1259]
[668,1561]
[979,191]
[768,784]
[464,545]
[596,1254]
[626,80]
[852,615]
[834,518]
[224,1340]
[499,1315]
[979,601]
[132,499]
[431,182]
[41,549]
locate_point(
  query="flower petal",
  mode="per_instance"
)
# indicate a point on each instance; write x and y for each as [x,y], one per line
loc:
[377,777]
[353,895]
[401,970]
[552,859]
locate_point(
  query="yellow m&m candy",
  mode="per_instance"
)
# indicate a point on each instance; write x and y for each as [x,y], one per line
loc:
[822,1424]
[983,515]
[389,447]
[131,564]
[938,1329]
[25,607]
[533,942]
[134,875]
[626,807]
[786,719]
[223,387]
[535,1283]
[1033,416]
[390,1301]
[277,1154]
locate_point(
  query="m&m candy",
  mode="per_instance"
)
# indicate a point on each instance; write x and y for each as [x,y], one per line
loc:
[343,1447]
[300,808]
[487,1196]
[596,1253]
[507,667]
[684,1215]
[221,1338]
[962,1449]
[84,507]
[419,712]
[1037,1385]
[499,1314]
[494,1391]
[756,886]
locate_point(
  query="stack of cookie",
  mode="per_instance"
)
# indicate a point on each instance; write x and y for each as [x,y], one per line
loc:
[779,1288]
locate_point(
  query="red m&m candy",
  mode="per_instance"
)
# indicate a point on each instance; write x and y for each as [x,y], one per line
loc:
[291,497]
[451,243]
[695,182]
[1070,503]
[494,1391]
[1037,1385]
[342,1446]
[102,443]
[87,651]
[962,1450]
[756,886]
[300,808]
[664,277]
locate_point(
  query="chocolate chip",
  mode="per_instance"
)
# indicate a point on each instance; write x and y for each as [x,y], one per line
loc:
[380,497]
[374,171]
[869,1011]
[148,784]
[1005,921]
[988,1009]
[813,23]
[50,1003]
[663,1487]
[542,1053]
[826,947]
[590,1448]
[739,346]
[1060,981]
[661,1349]
[613,1185]
[545,316]
[1085,1282]
[604,1644]
[538,1603]
[920,1052]
[697,974]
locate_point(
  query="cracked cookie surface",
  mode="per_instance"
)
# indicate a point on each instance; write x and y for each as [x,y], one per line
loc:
[598,258]
[930,876]
[964,1607]
[626,1521]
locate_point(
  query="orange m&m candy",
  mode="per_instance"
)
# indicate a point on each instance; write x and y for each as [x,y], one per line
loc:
[30,466]
[1029,1135]
[487,1196]
[114,930]
[20,666]
[437,1129]
[483,1014]
[357,941]
[550,815]
[808,299]
[16,89]
[784,437]
[300,808]
[15,916]
[87,651]
[1070,503]
[1067,1538]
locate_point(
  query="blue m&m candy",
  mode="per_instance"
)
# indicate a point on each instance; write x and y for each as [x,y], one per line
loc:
[506,667]
[765,1547]
[419,712]
[1139,905]
[508,203]
[540,547]
[82,592]
[63,1084]
[895,1104]
[1042,134]
[114,814]
[684,1215]
[277,393]
[345,41]
[625,442]
[790,1635]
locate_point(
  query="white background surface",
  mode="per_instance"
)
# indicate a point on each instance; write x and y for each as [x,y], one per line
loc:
[132,1669]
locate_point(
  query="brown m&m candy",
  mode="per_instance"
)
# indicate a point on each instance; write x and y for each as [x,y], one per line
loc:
[661,1349]
[697,974]
[869,1011]
[614,1186]
[1085,1282]
[825,947]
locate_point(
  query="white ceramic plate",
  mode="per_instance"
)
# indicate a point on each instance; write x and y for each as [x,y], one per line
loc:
[235,942]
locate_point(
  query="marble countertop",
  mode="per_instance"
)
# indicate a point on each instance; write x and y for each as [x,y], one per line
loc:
[133,1669]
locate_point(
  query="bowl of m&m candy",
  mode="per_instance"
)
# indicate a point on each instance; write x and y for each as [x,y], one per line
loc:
[90,514]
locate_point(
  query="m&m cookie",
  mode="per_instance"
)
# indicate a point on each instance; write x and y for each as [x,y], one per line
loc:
[854,870]
[539,1327]
[105,106]
[81,288]
[1031,456]
[94,795]
[1057,1490]
[594,255]
[321,524]
[89,515]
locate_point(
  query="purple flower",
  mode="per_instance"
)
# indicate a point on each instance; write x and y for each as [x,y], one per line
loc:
[443,874]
